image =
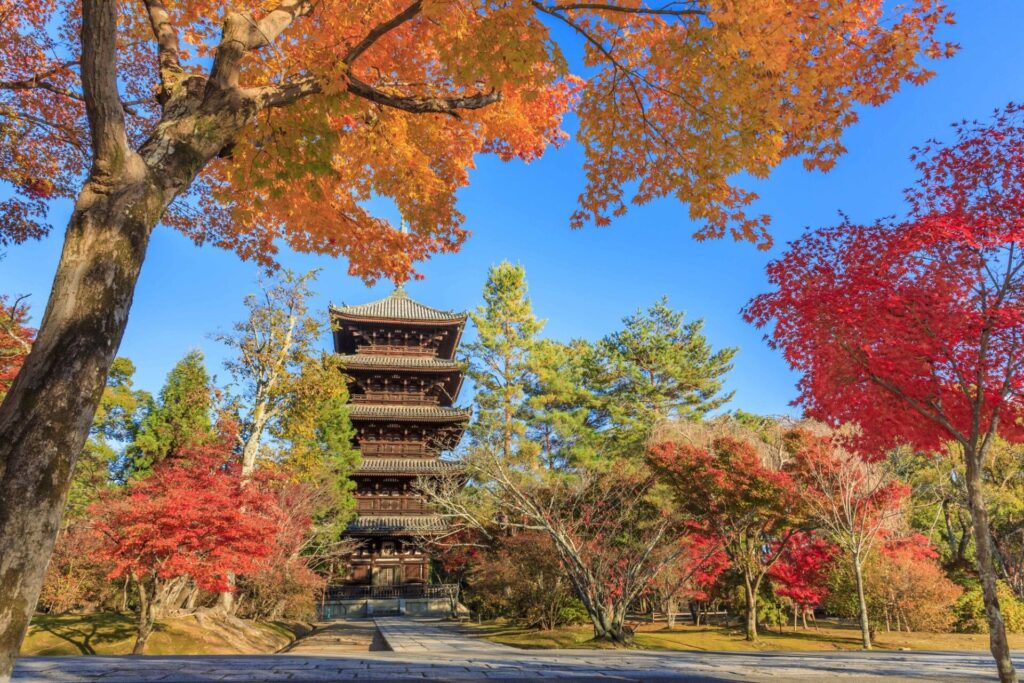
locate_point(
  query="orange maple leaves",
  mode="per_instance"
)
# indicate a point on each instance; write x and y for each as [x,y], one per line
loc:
[678,101]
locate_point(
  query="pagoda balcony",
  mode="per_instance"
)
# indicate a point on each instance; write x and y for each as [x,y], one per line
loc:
[395,448]
[395,350]
[390,504]
[397,398]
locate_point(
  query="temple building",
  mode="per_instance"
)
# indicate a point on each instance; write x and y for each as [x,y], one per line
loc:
[399,356]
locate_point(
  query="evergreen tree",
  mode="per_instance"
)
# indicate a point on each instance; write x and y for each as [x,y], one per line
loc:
[315,438]
[499,358]
[114,427]
[657,367]
[180,419]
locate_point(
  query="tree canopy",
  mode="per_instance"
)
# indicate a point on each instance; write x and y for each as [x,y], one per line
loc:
[675,102]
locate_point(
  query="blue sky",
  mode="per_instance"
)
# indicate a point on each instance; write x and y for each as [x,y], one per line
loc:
[583,282]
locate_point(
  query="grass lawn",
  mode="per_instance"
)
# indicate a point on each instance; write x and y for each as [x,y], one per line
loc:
[114,634]
[828,636]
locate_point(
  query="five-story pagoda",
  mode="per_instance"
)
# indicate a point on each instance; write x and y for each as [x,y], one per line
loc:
[399,357]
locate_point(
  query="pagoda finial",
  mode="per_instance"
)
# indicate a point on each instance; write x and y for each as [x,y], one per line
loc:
[404,226]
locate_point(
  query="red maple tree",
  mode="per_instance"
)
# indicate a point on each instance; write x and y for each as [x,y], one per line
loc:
[738,497]
[801,573]
[854,502]
[912,328]
[15,340]
[194,517]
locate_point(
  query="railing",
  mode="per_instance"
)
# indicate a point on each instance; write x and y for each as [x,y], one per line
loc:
[447,591]
[396,397]
[389,504]
[395,350]
[386,448]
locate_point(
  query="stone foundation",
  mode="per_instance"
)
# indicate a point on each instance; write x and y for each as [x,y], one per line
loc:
[370,607]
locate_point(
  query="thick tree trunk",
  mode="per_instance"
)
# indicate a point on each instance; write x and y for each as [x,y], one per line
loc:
[45,419]
[610,624]
[750,593]
[862,605]
[986,569]
[670,612]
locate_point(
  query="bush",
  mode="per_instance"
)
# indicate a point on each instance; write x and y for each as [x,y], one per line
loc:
[970,611]
[573,614]
[521,578]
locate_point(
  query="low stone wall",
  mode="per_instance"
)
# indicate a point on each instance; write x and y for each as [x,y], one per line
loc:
[370,607]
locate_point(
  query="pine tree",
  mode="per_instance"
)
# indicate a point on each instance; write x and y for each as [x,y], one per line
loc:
[180,419]
[657,367]
[499,358]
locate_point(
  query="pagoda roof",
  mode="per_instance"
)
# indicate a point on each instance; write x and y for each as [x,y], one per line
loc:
[376,465]
[397,307]
[372,525]
[374,361]
[409,413]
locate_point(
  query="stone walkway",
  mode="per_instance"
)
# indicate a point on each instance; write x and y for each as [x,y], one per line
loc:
[407,636]
[440,652]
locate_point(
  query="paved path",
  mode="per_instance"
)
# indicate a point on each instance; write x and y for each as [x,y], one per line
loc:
[408,636]
[431,651]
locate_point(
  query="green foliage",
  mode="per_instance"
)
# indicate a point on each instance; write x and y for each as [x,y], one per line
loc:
[658,367]
[180,419]
[315,438]
[970,611]
[114,427]
[500,358]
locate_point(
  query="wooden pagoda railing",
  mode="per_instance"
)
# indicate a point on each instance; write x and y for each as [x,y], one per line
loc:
[395,350]
[396,397]
[394,448]
[408,590]
[384,504]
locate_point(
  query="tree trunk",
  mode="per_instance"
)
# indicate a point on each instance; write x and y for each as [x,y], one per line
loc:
[45,418]
[986,570]
[862,605]
[750,592]
[609,624]
[670,612]
[146,619]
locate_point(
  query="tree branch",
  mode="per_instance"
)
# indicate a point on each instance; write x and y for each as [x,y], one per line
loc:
[99,85]
[291,92]
[168,52]
[380,29]
[603,7]
[242,33]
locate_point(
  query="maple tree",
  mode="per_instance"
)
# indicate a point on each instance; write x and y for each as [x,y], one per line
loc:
[699,565]
[853,501]
[720,477]
[801,572]
[184,521]
[912,328]
[251,124]
[15,340]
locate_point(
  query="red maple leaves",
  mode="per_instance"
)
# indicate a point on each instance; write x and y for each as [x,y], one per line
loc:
[195,516]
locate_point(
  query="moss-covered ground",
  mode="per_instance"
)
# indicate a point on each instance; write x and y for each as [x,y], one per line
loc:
[827,636]
[108,633]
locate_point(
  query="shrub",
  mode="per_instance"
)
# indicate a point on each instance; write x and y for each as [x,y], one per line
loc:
[970,611]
